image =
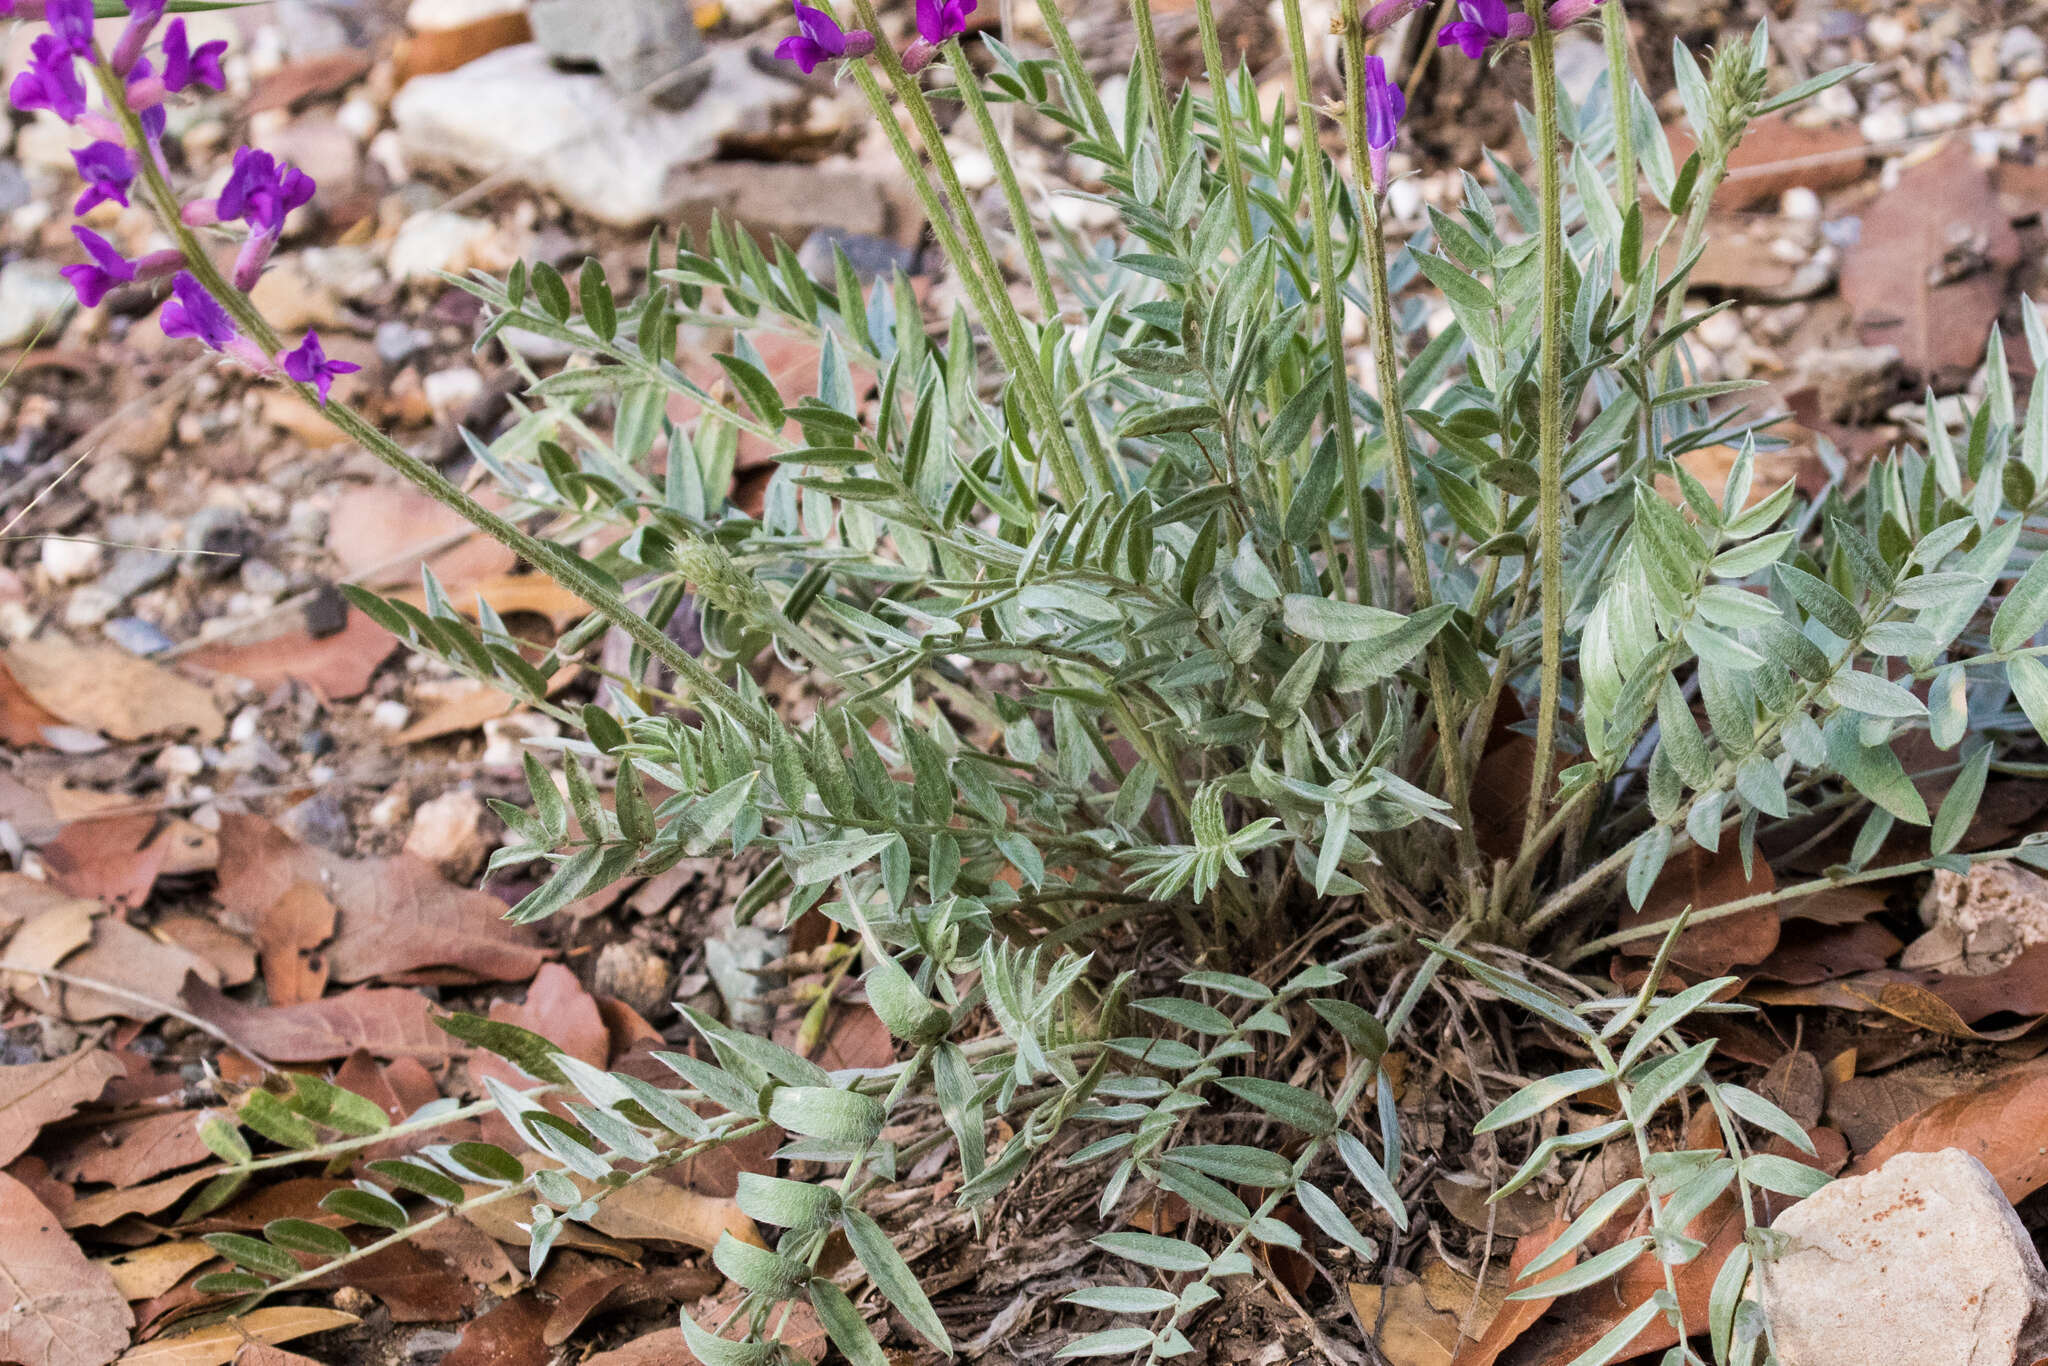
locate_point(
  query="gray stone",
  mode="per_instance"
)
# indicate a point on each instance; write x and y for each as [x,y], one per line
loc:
[574,136]
[15,190]
[735,960]
[639,45]
[217,539]
[398,341]
[636,974]
[1853,383]
[135,570]
[137,636]
[33,299]
[1921,1261]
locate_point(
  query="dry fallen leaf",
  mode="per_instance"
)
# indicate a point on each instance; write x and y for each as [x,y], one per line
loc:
[1515,1316]
[131,1151]
[39,1093]
[219,1343]
[1410,1333]
[147,1272]
[387,1022]
[2000,1123]
[22,718]
[115,860]
[381,533]
[397,914]
[507,1334]
[62,1310]
[1702,880]
[140,964]
[338,666]
[289,933]
[44,940]
[104,688]
[232,956]
[1928,274]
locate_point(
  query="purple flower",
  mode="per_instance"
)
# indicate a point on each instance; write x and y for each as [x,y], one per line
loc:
[262,190]
[938,20]
[184,66]
[1384,106]
[71,24]
[107,170]
[143,16]
[821,40]
[51,81]
[95,278]
[192,312]
[309,365]
[1486,22]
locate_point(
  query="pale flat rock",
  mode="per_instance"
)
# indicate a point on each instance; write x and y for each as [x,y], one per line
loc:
[573,135]
[1921,1261]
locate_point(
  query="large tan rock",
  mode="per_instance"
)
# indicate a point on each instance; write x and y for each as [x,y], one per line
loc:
[1921,1261]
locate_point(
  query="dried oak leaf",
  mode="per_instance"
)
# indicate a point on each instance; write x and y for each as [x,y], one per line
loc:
[2000,1124]
[104,688]
[135,961]
[132,1151]
[1703,880]
[114,860]
[39,1093]
[339,667]
[1928,275]
[63,1310]
[386,1022]
[147,1272]
[1516,1316]
[219,1343]
[508,1334]
[396,915]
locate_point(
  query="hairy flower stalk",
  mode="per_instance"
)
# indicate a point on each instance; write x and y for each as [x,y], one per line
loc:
[1550,514]
[1373,111]
[967,250]
[1330,288]
[1021,222]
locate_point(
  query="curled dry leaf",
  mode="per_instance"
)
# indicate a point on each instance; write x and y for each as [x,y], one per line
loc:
[101,687]
[38,1093]
[2001,1124]
[219,1343]
[63,1310]
[289,934]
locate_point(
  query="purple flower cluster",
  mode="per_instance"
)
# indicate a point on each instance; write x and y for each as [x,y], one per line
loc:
[1483,24]
[260,192]
[819,38]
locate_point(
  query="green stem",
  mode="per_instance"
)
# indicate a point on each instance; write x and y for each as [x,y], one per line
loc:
[1155,85]
[1333,300]
[1226,122]
[1414,535]
[1006,175]
[1550,438]
[1614,28]
[999,315]
[1077,71]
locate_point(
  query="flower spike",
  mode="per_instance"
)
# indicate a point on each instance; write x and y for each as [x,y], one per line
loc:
[1384,107]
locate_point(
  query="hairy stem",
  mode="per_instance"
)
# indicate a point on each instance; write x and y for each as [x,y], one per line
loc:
[1328,285]
[1621,85]
[992,142]
[1550,516]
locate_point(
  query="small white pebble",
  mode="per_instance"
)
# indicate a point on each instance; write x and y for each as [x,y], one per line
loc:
[1885,125]
[1800,204]
[70,561]
[390,715]
[452,388]
[181,761]
[245,724]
